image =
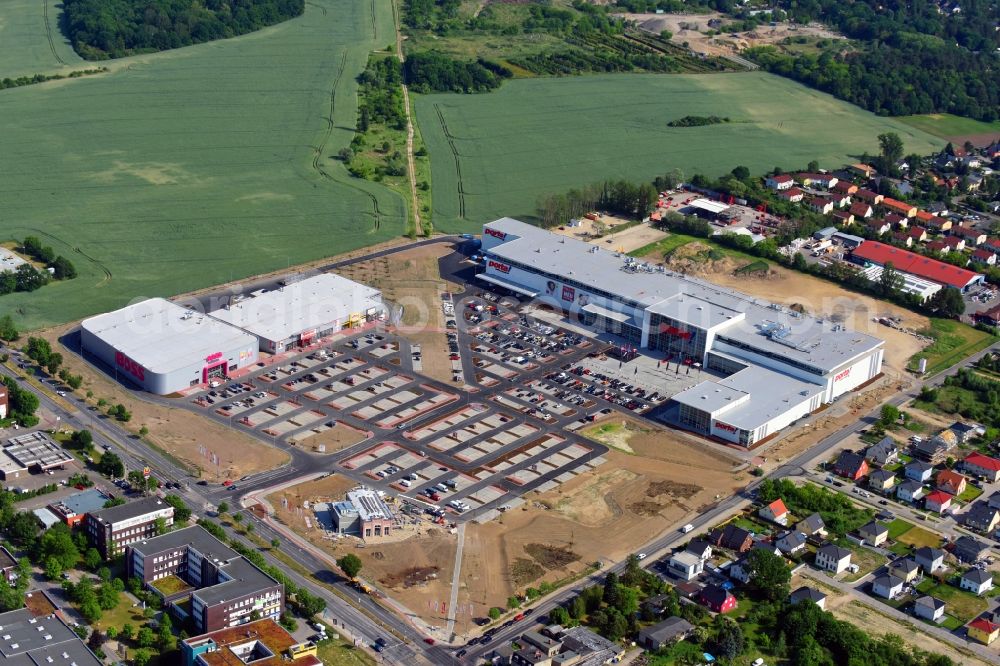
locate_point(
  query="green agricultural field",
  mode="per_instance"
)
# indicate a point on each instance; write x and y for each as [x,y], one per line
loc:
[496,154]
[192,167]
[948,126]
[30,40]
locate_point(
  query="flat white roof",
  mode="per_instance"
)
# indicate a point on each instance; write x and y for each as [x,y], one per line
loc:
[163,337]
[301,306]
[770,393]
[714,207]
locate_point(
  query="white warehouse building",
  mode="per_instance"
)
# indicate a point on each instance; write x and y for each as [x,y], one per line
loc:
[163,347]
[302,312]
[781,365]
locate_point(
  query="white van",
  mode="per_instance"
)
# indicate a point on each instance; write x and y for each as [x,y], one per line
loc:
[687,528]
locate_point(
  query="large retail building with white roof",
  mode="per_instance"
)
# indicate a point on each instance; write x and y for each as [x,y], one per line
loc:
[778,365]
[164,347]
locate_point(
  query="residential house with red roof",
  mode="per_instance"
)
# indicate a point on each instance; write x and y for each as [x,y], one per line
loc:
[878,225]
[993,245]
[938,224]
[864,170]
[776,512]
[840,200]
[938,246]
[969,235]
[861,209]
[845,187]
[923,216]
[897,220]
[873,252]
[896,206]
[950,482]
[989,317]
[820,205]
[985,466]
[983,630]
[779,182]
[983,256]
[718,599]
[873,198]
[902,238]
[938,501]
[918,234]
[793,195]
[843,217]
[851,465]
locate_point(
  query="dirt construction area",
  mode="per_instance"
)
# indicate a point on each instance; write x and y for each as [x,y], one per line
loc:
[689,30]
[187,437]
[559,533]
[412,281]
[414,568]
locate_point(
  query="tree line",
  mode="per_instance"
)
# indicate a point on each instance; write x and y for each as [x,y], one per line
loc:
[28,278]
[102,29]
[434,72]
[620,197]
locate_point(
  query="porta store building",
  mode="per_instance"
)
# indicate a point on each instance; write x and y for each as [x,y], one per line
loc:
[163,347]
[302,312]
[779,365]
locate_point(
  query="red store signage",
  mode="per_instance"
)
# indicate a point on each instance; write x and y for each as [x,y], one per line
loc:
[725,426]
[503,268]
[130,366]
[496,234]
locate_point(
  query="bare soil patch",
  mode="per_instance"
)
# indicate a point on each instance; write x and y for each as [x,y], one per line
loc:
[578,516]
[334,439]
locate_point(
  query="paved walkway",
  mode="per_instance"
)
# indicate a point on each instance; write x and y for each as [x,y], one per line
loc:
[456,579]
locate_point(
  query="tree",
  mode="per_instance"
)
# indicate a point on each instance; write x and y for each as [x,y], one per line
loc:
[111,465]
[513,602]
[275,543]
[741,173]
[145,638]
[8,329]
[559,615]
[107,597]
[91,610]
[577,607]
[495,613]
[813,166]
[54,362]
[947,302]
[142,657]
[181,511]
[729,639]
[890,152]
[890,415]
[143,431]
[92,559]
[126,633]
[769,575]
[612,589]
[58,543]
[238,518]
[160,526]
[223,507]
[890,282]
[350,564]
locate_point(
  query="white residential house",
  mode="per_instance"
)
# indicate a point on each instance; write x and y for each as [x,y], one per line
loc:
[977,581]
[910,491]
[887,587]
[874,534]
[929,608]
[686,565]
[833,558]
[791,542]
[776,512]
[929,559]
[906,569]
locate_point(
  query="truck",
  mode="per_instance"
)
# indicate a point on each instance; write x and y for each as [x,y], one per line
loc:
[687,528]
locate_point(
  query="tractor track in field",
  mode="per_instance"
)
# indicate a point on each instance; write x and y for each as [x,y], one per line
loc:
[48,33]
[319,150]
[319,7]
[454,154]
[96,262]
[374,22]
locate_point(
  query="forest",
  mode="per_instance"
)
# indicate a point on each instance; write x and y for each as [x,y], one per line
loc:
[433,72]
[102,29]
[914,57]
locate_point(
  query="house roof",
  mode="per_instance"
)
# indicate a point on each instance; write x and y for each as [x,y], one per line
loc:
[811,524]
[874,528]
[916,232]
[697,546]
[803,593]
[777,507]
[928,601]
[928,553]
[982,254]
[791,192]
[977,576]
[860,208]
[970,546]
[910,262]
[919,465]
[986,462]
[981,513]
[950,478]
[937,246]
[938,497]
[905,564]
[910,486]
[715,595]
[849,461]
[881,451]
[834,552]
[888,580]
[967,232]
[782,178]
[793,537]
[880,476]
[984,625]
[667,630]
[897,205]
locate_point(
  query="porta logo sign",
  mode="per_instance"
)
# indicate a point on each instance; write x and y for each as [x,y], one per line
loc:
[725,426]
[496,234]
[503,268]
[213,357]
[130,366]
[843,375]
